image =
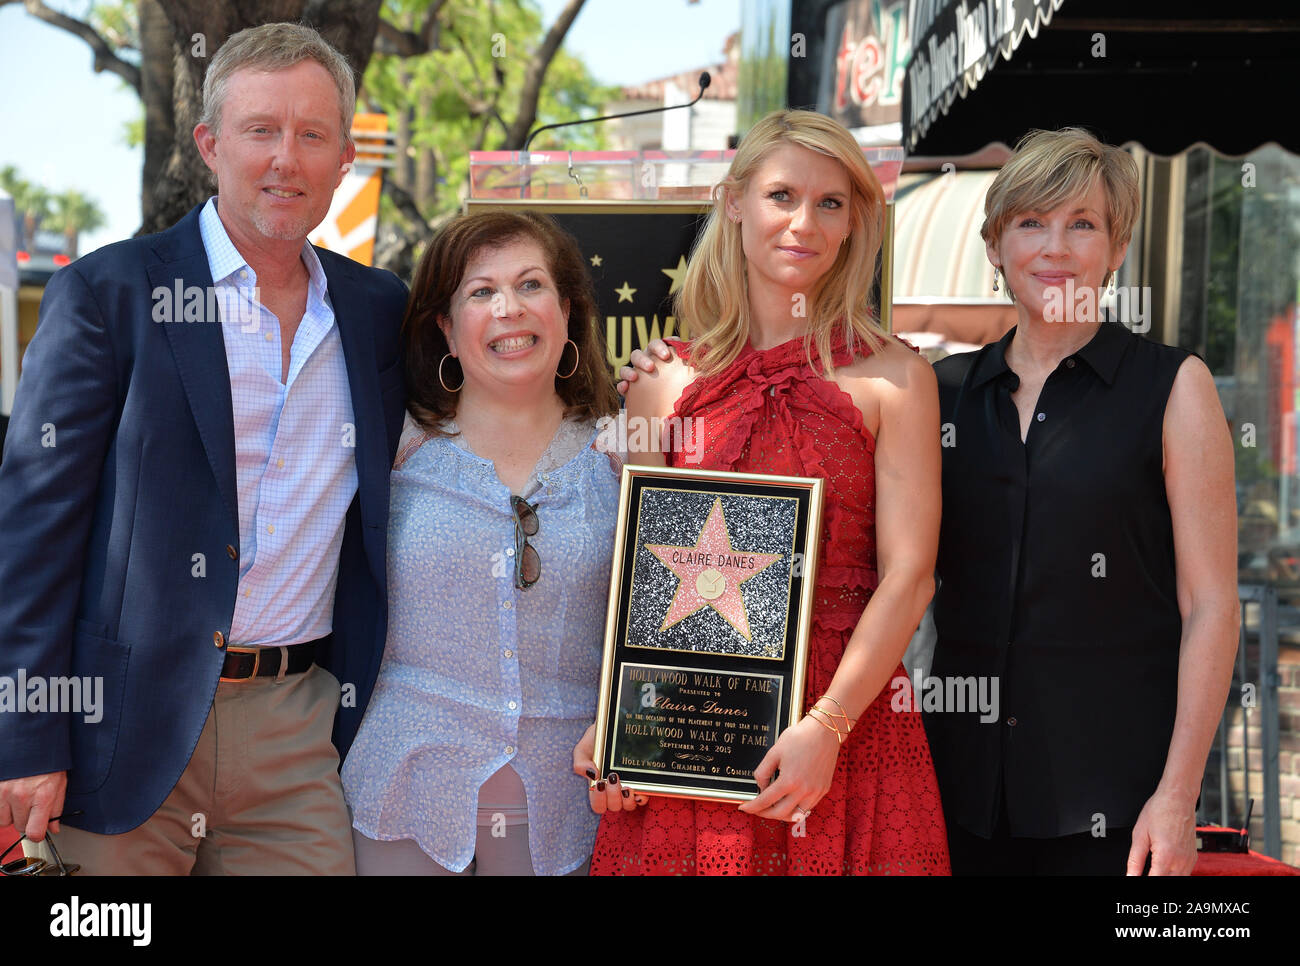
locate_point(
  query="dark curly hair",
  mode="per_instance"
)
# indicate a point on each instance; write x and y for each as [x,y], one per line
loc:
[587,394]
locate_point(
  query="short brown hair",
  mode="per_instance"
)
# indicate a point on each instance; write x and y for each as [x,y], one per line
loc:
[1050,168]
[587,394]
[276,46]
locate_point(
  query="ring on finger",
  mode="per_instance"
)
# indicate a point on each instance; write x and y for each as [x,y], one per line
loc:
[800,814]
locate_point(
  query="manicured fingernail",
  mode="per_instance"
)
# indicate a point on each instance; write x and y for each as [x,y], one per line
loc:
[613,778]
[626,793]
[591,774]
[600,786]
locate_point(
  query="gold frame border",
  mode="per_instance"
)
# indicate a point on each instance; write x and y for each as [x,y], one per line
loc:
[811,551]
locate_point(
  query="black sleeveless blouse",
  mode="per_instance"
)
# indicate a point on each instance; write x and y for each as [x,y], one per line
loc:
[1056,585]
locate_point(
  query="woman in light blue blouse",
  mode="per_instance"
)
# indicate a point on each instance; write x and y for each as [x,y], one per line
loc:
[499,545]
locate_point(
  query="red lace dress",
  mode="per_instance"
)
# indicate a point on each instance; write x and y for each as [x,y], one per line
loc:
[768,412]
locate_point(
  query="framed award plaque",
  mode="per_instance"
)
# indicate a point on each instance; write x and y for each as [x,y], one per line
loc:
[706,637]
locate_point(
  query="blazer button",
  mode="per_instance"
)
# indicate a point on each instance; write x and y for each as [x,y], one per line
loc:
[230,549]
[1011,721]
[219,639]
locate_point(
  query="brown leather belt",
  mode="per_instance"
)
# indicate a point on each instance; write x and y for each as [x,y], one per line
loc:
[243,663]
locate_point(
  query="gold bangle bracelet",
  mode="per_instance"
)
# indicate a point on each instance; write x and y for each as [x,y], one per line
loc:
[833,716]
[839,738]
[844,712]
[830,715]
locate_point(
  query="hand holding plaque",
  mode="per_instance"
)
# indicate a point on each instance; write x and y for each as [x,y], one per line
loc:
[796,773]
[707,630]
[608,793]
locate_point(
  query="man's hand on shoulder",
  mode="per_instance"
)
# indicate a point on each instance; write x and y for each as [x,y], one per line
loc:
[645,361]
[657,390]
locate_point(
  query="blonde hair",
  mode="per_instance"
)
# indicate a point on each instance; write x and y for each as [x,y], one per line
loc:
[271,47]
[713,300]
[1050,168]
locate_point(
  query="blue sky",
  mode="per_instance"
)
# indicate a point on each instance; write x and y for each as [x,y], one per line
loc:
[64,126]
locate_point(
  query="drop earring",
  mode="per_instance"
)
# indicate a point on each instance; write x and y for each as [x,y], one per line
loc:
[995,278]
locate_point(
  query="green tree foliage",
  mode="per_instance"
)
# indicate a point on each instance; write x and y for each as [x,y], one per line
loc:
[454,75]
[118,23]
[31,201]
[465,94]
[73,214]
[70,212]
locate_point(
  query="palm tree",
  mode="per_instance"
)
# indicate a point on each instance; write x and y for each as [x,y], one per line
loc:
[14,186]
[73,214]
[31,203]
[34,203]
[9,180]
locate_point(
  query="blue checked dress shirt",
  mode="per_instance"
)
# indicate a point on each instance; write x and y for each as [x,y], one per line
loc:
[295,460]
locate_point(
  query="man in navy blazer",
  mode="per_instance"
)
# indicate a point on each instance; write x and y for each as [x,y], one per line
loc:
[194,502]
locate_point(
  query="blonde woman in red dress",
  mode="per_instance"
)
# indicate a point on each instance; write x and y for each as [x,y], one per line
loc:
[789,374]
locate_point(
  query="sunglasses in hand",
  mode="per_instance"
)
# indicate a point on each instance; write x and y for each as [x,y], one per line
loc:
[32,865]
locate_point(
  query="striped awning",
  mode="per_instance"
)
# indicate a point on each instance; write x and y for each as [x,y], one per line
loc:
[938,252]
[942,277]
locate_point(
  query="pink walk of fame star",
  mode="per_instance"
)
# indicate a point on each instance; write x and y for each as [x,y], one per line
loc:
[710,573]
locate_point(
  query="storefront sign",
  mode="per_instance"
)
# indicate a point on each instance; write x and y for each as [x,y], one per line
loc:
[955,45]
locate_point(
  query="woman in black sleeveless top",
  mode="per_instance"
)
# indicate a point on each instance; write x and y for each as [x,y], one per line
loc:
[1087,557]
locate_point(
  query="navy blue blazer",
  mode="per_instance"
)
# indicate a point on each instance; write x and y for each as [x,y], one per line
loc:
[119,467]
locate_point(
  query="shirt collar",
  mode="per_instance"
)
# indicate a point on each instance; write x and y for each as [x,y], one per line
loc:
[992,361]
[225,261]
[1102,354]
[1105,350]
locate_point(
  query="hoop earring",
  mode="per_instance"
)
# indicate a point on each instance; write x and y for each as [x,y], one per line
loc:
[443,382]
[995,278]
[575,360]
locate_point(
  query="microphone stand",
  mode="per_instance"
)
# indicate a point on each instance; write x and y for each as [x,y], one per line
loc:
[704,82]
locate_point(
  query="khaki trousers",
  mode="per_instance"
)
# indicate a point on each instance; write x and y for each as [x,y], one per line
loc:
[260,796]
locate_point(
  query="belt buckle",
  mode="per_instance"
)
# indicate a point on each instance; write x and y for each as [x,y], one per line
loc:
[257,661]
